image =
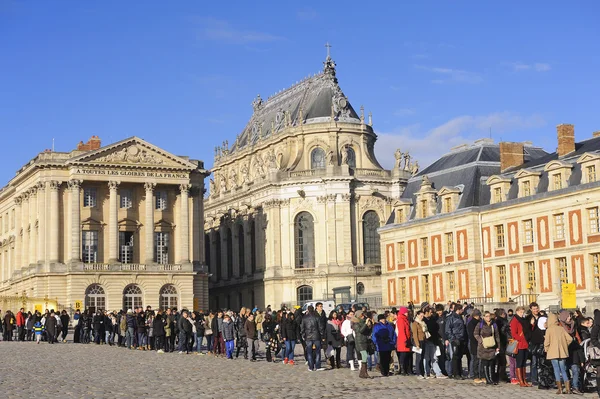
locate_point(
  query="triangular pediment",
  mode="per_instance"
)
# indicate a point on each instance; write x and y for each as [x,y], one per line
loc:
[587,157]
[132,152]
[448,190]
[526,173]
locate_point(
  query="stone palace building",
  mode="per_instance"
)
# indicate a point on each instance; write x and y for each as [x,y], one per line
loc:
[296,202]
[498,225]
[104,227]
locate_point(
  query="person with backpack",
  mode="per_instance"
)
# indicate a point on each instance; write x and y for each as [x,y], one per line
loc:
[487,335]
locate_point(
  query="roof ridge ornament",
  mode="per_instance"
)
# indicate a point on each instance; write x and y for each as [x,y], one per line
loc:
[329,64]
[257,103]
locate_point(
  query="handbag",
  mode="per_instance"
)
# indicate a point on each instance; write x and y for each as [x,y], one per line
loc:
[489,342]
[417,350]
[512,348]
[208,331]
[371,348]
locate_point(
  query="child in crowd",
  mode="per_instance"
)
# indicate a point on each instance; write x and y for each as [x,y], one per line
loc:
[38,328]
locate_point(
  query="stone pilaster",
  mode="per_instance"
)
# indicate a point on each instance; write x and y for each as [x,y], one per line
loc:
[198,221]
[321,243]
[149,222]
[18,237]
[113,222]
[41,247]
[75,212]
[32,228]
[54,213]
[344,229]
[331,230]
[25,225]
[184,224]
[286,228]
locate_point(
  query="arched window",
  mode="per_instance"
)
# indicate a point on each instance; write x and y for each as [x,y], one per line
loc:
[304,236]
[317,158]
[371,238]
[241,251]
[351,157]
[95,297]
[132,297]
[168,297]
[304,294]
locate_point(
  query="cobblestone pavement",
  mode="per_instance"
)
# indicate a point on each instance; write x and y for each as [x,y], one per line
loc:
[28,370]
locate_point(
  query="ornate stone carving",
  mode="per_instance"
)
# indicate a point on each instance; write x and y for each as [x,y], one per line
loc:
[322,199]
[346,197]
[149,186]
[331,197]
[75,184]
[303,204]
[406,161]
[132,154]
[414,169]
[330,158]
[271,203]
[213,187]
[113,185]
[18,200]
[399,155]
[222,183]
[257,103]
[245,174]
[272,160]
[372,203]
[33,190]
[185,188]
[55,185]
[304,282]
[284,202]
[233,179]
[345,154]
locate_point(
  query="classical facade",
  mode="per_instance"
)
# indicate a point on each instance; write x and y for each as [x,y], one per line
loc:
[498,225]
[104,227]
[296,201]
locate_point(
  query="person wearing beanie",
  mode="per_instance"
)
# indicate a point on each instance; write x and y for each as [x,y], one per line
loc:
[385,340]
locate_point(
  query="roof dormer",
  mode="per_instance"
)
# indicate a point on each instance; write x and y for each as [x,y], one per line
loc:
[401,210]
[499,187]
[558,174]
[590,163]
[449,197]
[528,182]
[426,199]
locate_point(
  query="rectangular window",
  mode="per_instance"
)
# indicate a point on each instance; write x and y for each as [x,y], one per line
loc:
[497,195]
[591,173]
[89,197]
[447,205]
[528,231]
[502,281]
[161,248]
[126,200]
[594,222]
[449,244]
[557,181]
[559,226]
[400,215]
[426,286]
[596,270]
[126,246]
[161,200]
[526,188]
[499,236]
[401,252]
[89,246]
[530,266]
[424,209]
[451,284]
[561,264]
[403,291]
[424,248]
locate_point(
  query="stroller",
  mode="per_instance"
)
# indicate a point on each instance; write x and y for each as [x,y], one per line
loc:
[589,368]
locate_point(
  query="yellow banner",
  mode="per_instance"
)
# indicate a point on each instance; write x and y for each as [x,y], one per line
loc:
[78,305]
[569,296]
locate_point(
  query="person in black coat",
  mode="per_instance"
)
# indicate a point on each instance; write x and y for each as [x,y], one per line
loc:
[64,320]
[474,369]
[51,327]
[269,335]
[311,333]
[98,323]
[158,328]
[334,339]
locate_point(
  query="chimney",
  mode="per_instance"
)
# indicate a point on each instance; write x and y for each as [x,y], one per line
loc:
[566,139]
[511,154]
[596,134]
[93,144]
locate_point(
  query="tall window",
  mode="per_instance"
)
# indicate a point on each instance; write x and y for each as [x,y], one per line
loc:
[95,297]
[449,244]
[447,205]
[528,231]
[126,200]
[594,222]
[132,297]
[426,286]
[89,197]
[591,173]
[526,188]
[596,270]
[304,236]
[563,273]
[229,254]
[451,284]
[400,215]
[403,290]
[499,236]
[304,294]
[160,200]
[557,181]
[401,252]
[317,158]
[168,297]
[372,249]
[530,266]
[241,251]
[424,248]
[423,209]
[502,281]
[351,157]
[89,246]
[559,226]
[161,248]
[497,195]
[126,246]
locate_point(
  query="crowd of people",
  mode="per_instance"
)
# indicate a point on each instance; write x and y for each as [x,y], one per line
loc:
[428,341]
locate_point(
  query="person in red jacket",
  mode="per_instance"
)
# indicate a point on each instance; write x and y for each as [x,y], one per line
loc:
[403,344]
[521,331]
[21,325]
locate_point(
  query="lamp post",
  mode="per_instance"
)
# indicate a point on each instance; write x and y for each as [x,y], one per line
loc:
[354,269]
[324,274]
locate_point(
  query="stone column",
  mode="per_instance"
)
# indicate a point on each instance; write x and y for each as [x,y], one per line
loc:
[113,222]
[197,227]
[54,213]
[75,211]
[184,224]
[18,236]
[344,230]
[149,222]
[25,225]
[331,230]
[41,247]
[32,229]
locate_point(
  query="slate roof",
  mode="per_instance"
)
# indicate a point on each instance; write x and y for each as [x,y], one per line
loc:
[318,97]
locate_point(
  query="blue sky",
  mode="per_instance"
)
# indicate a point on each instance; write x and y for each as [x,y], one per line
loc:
[183,74]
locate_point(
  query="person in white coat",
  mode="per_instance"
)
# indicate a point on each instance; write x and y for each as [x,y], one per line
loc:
[348,334]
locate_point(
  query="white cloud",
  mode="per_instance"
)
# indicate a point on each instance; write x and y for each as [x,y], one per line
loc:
[451,75]
[537,67]
[405,112]
[222,31]
[428,145]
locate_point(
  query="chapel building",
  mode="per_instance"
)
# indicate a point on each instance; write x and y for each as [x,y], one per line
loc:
[109,227]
